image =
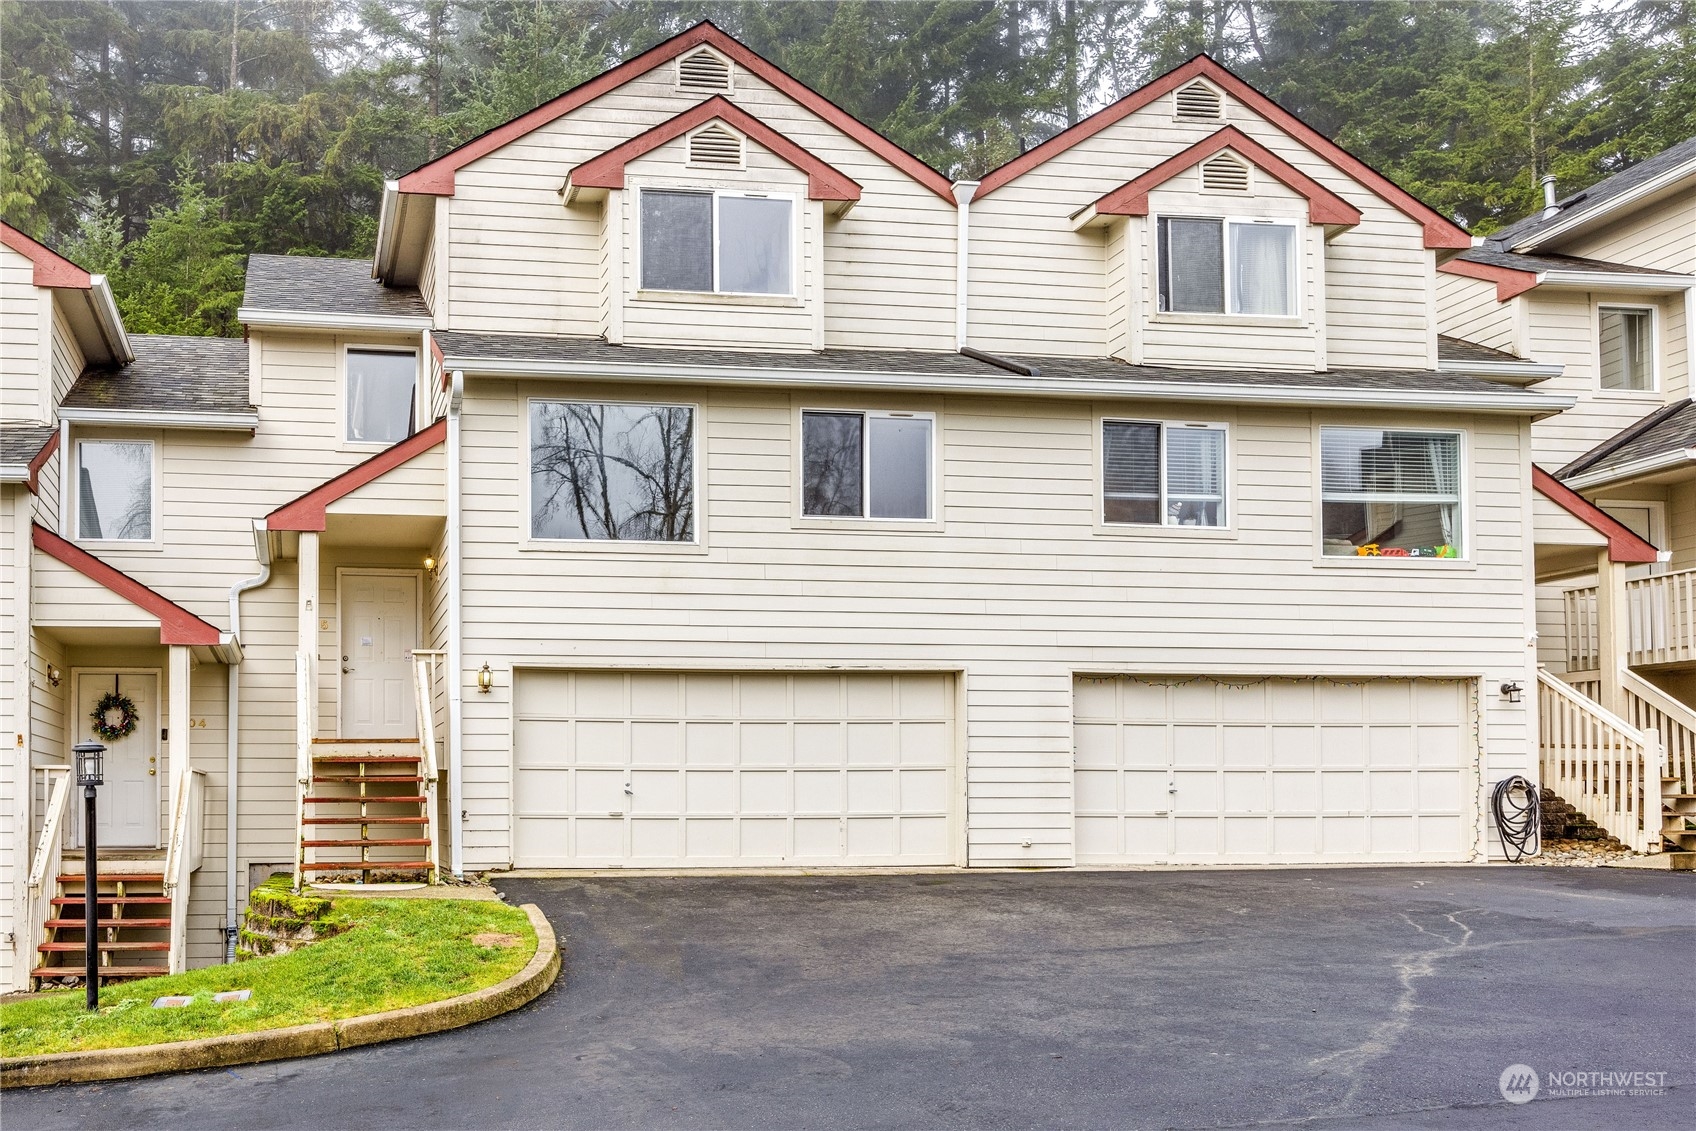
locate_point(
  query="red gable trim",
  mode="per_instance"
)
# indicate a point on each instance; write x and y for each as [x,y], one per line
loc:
[437,177]
[1623,545]
[308,511]
[1440,232]
[1508,281]
[823,181]
[1323,205]
[51,268]
[176,624]
[40,461]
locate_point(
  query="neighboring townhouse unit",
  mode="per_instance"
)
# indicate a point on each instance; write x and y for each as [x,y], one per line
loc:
[1603,285]
[697,479]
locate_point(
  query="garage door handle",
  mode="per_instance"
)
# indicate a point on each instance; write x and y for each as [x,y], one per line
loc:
[629,791]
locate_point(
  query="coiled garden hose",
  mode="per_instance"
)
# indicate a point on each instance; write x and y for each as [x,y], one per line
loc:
[1519,817]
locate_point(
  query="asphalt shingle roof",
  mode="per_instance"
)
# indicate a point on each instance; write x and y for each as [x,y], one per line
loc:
[169,374]
[1599,193]
[1492,254]
[1668,429]
[325,286]
[20,443]
[519,347]
[1459,349]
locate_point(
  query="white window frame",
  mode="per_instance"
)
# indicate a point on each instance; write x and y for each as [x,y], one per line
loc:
[528,540]
[73,475]
[865,517]
[795,233]
[1465,501]
[1226,481]
[1654,389]
[1297,249]
[420,400]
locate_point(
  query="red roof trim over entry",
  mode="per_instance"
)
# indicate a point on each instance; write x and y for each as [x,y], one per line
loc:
[176,624]
[824,182]
[1623,545]
[437,177]
[40,461]
[308,511]
[1440,232]
[1508,281]
[51,268]
[1323,205]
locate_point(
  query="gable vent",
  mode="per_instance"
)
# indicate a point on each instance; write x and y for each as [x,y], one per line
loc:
[1224,174]
[715,145]
[1198,100]
[704,70]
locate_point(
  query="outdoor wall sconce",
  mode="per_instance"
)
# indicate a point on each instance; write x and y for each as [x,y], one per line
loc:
[432,566]
[485,679]
[1511,691]
[54,675]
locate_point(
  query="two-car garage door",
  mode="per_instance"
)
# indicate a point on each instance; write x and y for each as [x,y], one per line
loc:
[720,769]
[1273,770]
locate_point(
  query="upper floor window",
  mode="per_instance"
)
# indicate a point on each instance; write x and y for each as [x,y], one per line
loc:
[866,464]
[612,472]
[115,490]
[381,395]
[1391,494]
[717,242]
[1162,474]
[1626,340]
[1212,266]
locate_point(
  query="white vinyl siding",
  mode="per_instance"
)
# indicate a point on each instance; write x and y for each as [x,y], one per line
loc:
[23,345]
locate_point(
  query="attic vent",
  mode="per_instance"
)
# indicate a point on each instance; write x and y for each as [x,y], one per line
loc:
[1224,174]
[715,145]
[704,70]
[1198,100]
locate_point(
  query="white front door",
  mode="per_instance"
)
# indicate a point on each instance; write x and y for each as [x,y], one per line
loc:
[379,618]
[127,806]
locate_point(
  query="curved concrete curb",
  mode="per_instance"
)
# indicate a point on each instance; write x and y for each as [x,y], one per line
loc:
[301,1040]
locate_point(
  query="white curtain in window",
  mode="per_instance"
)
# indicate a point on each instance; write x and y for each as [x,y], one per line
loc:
[753,245]
[1261,255]
[380,395]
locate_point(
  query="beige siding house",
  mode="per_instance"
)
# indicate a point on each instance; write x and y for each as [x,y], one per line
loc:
[696,479]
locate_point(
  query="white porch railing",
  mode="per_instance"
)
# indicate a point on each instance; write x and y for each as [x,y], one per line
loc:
[1660,628]
[427,668]
[1649,708]
[49,850]
[182,857]
[305,693]
[1599,763]
[1583,630]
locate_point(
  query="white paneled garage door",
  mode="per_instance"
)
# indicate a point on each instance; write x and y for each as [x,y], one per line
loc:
[1281,770]
[672,769]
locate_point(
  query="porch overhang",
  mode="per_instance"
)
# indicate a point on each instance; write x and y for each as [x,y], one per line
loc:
[342,495]
[1572,533]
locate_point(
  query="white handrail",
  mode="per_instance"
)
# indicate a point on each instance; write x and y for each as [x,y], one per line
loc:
[179,853]
[1650,708]
[305,687]
[49,850]
[1661,614]
[426,662]
[1600,764]
[1583,635]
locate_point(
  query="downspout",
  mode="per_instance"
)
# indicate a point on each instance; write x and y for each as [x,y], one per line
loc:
[456,646]
[963,191]
[262,546]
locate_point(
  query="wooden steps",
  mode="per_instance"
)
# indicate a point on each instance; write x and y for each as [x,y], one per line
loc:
[367,866]
[132,931]
[359,787]
[375,842]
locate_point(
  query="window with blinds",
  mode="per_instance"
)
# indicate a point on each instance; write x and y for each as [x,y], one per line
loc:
[1391,494]
[1162,474]
[1215,266]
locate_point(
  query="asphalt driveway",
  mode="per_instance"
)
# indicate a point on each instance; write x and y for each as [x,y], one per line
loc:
[1379,997]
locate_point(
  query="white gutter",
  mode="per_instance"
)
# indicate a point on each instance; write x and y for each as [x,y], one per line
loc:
[456,640]
[1636,469]
[1616,280]
[1223,392]
[111,323]
[963,191]
[314,320]
[14,473]
[1607,208]
[262,547]
[217,421]
[388,216]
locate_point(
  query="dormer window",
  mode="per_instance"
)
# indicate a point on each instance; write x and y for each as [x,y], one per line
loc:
[706,71]
[1198,101]
[1224,173]
[717,242]
[1215,266]
[715,146]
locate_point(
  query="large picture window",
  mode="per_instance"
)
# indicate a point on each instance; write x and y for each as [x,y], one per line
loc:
[1211,266]
[866,465]
[1626,337]
[381,392]
[115,490]
[1391,494]
[612,472]
[716,242]
[1160,474]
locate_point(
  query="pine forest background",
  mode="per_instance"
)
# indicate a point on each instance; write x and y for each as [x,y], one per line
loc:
[160,141]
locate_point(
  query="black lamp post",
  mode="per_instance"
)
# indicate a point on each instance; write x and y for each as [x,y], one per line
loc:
[90,763]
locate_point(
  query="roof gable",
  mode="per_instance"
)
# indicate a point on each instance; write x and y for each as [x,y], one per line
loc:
[308,512]
[51,268]
[1509,281]
[1440,232]
[1623,545]
[437,177]
[176,624]
[1605,196]
[606,170]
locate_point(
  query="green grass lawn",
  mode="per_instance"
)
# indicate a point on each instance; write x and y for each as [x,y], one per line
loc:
[396,952]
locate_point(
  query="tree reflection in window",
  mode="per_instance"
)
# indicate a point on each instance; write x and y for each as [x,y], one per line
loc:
[605,472]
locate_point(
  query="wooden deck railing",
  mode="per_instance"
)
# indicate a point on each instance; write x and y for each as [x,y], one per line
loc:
[1647,707]
[1660,628]
[427,666]
[1600,764]
[49,848]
